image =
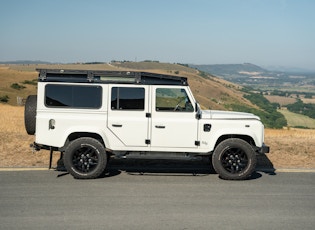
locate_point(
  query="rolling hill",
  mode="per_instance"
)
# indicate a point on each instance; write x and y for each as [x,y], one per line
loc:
[19,80]
[211,92]
[230,69]
[259,78]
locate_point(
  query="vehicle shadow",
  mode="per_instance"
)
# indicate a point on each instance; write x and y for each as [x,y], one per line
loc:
[201,167]
[265,165]
[162,167]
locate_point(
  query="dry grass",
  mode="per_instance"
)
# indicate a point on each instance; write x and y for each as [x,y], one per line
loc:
[9,77]
[15,142]
[293,148]
[281,100]
[289,148]
[308,100]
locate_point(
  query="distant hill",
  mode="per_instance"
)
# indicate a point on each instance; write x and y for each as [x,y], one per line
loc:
[24,62]
[229,69]
[248,74]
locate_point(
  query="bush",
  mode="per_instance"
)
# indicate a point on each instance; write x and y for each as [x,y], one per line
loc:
[308,95]
[4,99]
[305,109]
[17,86]
[203,74]
[301,127]
[28,82]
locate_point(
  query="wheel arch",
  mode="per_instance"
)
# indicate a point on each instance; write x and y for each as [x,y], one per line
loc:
[75,135]
[246,138]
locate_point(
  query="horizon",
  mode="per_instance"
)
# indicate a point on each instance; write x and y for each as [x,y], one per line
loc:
[285,69]
[272,33]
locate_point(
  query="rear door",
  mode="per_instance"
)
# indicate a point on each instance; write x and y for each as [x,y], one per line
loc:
[127,114]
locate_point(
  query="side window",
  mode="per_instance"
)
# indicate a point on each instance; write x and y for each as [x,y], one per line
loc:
[127,98]
[172,100]
[73,96]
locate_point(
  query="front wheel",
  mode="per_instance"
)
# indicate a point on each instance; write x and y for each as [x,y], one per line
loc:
[85,158]
[234,159]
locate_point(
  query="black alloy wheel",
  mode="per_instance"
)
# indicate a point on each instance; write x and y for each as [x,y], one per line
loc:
[234,159]
[85,158]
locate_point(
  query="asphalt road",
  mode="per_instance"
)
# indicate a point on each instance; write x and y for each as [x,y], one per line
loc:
[180,199]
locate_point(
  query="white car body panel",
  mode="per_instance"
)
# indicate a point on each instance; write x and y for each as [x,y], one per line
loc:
[129,130]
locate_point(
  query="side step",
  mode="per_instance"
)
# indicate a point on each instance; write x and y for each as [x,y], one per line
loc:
[159,156]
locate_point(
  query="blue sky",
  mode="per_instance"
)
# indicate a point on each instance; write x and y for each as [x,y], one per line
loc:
[262,32]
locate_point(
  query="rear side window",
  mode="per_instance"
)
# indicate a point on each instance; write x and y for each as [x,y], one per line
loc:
[127,98]
[73,96]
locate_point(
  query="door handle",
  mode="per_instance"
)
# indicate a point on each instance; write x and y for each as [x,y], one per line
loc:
[52,124]
[116,125]
[160,126]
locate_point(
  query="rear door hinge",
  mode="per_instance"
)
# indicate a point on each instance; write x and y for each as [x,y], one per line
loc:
[147,141]
[197,143]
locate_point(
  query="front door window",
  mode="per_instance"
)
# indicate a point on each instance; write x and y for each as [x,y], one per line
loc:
[170,99]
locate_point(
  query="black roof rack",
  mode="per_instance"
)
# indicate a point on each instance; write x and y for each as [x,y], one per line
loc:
[106,77]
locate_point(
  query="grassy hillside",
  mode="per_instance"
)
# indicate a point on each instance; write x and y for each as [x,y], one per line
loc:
[211,93]
[298,120]
[16,83]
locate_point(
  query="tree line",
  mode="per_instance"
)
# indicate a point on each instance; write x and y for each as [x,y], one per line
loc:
[268,113]
[306,109]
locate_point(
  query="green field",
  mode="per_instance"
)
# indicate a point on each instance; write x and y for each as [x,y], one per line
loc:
[298,120]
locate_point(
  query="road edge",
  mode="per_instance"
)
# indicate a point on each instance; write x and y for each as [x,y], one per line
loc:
[288,170]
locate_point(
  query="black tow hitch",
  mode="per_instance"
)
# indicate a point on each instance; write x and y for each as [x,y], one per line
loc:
[35,147]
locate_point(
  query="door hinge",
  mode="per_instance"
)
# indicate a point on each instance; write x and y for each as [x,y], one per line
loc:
[148,115]
[147,141]
[197,143]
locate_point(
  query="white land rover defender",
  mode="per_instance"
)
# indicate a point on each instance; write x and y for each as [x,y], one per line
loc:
[92,115]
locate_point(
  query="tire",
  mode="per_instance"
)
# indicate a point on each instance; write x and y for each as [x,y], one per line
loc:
[85,158]
[234,159]
[30,114]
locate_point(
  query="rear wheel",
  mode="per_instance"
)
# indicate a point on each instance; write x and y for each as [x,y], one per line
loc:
[234,159]
[85,158]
